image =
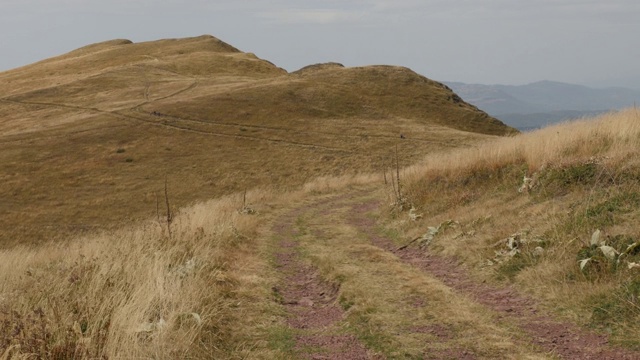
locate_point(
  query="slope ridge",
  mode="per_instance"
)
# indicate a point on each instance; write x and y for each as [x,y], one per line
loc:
[99,129]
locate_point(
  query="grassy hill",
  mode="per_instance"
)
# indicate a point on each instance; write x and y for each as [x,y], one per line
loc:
[525,246]
[89,137]
[478,246]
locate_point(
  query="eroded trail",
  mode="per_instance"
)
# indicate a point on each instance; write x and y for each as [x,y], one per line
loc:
[350,294]
[310,302]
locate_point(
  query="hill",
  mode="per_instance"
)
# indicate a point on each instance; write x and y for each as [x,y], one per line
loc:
[477,246]
[544,102]
[90,137]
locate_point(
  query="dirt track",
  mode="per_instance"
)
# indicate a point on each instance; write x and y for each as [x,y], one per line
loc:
[311,303]
[403,304]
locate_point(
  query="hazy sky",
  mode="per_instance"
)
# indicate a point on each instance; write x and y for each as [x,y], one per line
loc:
[474,41]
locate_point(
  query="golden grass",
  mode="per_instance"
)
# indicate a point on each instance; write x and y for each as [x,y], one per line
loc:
[89,133]
[205,292]
[88,140]
[614,135]
[135,293]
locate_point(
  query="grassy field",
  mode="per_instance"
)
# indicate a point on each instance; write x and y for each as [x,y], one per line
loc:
[88,138]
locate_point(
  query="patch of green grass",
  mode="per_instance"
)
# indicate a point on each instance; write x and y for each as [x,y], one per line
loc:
[600,210]
[604,213]
[583,174]
[340,278]
[559,181]
[371,337]
[282,338]
[346,303]
[599,265]
[391,233]
[303,227]
[511,268]
[621,242]
[277,296]
[616,310]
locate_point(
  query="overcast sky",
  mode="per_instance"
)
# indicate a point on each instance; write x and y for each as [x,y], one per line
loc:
[475,41]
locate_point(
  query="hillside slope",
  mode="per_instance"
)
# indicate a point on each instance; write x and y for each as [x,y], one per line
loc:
[467,261]
[89,137]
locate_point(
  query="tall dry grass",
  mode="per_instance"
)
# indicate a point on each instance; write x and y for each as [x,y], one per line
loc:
[136,293]
[615,134]
[592,161]
[141,293]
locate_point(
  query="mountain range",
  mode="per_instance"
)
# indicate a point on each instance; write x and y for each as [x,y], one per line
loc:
[544,102]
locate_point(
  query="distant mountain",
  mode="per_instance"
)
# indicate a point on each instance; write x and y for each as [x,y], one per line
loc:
[543,102]
[492,99]
[526,122]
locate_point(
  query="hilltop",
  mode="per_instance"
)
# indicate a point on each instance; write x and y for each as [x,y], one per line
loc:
[90,136]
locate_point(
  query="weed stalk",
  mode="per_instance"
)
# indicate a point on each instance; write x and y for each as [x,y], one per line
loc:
[169,213]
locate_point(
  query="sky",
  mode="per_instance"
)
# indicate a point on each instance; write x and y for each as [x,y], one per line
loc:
[512,42]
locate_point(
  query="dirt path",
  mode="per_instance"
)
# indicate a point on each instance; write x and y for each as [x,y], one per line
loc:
[311,302]
[351,295]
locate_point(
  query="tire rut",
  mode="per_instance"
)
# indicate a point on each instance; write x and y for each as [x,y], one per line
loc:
[311,304]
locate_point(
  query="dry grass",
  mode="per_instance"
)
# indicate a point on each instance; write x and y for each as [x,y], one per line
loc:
[89,133]
[583,176]
[611,135]
[88,140]
[203,292]
[137,293]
